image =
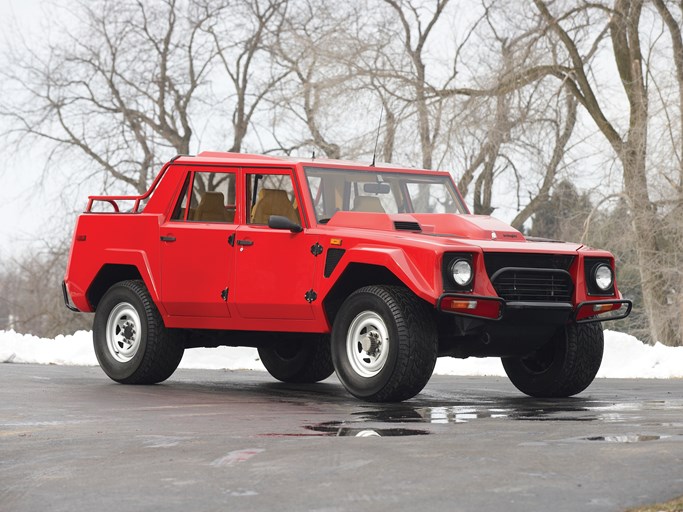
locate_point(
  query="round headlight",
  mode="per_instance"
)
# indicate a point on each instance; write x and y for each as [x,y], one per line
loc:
[603,277]
[462,272]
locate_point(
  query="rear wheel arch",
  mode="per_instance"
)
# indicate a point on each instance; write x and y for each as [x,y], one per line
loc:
[108,276]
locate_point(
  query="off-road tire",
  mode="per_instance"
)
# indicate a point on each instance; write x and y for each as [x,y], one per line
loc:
[303,359]
[564,367]
[411,345]
[158,351]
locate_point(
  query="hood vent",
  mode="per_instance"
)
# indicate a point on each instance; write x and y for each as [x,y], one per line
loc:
[403,225]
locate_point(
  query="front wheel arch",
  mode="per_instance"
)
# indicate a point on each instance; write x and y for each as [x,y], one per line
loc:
[354,277]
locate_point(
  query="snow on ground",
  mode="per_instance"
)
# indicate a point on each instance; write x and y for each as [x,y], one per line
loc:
[625,356]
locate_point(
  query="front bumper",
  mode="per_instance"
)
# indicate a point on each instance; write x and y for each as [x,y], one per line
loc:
[496,308]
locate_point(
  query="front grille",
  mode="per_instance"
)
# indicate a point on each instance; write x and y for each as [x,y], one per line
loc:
[494,261]
[533,284]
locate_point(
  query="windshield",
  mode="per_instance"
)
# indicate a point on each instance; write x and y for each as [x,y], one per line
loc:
[334,190]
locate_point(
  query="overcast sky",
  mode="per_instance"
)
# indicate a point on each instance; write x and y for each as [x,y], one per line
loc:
[31,198]
[21,205]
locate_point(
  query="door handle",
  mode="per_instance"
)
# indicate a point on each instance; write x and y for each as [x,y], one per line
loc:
[168,239]
[245,242]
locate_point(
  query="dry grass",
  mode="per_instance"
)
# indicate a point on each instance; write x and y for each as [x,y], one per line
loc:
[675,505]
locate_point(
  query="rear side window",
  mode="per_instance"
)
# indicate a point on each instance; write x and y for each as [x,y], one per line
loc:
[207,197]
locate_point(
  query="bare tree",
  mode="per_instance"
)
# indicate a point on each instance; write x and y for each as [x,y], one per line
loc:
[674,217]
[33,302]
[323,102]
[117,89]
[631,146]
[563,133]
[241,35]
[416,30]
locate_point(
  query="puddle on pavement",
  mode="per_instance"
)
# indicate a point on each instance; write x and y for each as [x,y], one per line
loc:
[571,410]
[371,421]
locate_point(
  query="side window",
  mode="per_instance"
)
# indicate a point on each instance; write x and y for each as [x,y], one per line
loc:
[180,210]
[315,186]
[212,198]
[270,194]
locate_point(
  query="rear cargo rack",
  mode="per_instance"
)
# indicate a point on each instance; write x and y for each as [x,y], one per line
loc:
[112,200]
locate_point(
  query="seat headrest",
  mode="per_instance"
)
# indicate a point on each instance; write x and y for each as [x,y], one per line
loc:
[212,208]
[368,204]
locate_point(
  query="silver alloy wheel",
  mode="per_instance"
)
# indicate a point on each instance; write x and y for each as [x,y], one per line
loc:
[367,344]
[124,331]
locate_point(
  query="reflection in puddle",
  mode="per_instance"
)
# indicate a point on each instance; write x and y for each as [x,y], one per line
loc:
[623,439]
[470,412]
[339,429]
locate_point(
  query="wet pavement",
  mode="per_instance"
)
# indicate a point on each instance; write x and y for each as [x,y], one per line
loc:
[70,439]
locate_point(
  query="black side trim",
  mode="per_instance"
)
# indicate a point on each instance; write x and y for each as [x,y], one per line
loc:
[332,260]
[67,300]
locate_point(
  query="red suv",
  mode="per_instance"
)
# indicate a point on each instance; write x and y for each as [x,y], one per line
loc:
[372,272]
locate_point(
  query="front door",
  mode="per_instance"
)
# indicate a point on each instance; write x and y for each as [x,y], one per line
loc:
[274,268]
[197,260]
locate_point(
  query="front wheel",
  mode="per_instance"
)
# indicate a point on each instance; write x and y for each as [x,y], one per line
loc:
[384,344]
[131,342]
[563,367]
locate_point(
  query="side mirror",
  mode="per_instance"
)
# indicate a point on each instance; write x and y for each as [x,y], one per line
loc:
[280,222]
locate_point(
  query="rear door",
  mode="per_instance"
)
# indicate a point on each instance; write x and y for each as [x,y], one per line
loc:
[197,260]
[274,268]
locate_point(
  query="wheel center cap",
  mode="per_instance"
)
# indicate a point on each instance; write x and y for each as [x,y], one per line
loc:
[128,331]
[370,343]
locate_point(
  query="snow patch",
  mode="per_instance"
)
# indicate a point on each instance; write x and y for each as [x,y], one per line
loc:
[625,357]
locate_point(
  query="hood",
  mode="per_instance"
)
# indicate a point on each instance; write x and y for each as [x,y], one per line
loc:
[470,227]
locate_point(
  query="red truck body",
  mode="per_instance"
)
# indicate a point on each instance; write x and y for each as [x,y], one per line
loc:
[228,271]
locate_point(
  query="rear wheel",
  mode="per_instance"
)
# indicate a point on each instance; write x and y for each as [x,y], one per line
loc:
[384,344]
[131,342]
[303,360]
[563,367]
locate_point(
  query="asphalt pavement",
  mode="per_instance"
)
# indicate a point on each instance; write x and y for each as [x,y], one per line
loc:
[71,439]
